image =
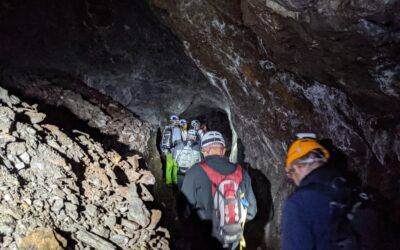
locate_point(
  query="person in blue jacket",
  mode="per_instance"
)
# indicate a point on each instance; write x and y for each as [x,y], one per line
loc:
[306,215]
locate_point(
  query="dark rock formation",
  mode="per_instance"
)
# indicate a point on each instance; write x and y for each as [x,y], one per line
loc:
[286,66]
[117,48]
[275,67]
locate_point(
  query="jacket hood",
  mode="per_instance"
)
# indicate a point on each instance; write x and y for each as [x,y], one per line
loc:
[220,164]
[322,175]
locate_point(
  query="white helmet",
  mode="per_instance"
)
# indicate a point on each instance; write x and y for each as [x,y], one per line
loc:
[173,118]
[182,122]
[212,137]
[194,123]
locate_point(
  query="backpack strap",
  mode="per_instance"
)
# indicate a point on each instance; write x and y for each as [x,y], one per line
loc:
[216,178]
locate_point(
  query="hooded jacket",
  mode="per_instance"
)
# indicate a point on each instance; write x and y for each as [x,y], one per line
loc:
[305,218]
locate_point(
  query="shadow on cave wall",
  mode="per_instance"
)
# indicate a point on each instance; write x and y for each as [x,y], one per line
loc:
[383,205]
[255,229]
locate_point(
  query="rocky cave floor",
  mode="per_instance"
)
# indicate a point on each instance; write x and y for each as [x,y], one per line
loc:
[67,185]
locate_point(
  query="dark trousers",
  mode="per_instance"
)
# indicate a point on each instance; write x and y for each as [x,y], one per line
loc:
[200,235]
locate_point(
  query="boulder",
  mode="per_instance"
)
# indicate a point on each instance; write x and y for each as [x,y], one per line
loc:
[35,117]
[138,212]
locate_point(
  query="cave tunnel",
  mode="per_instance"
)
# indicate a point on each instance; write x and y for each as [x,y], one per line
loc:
[108,74]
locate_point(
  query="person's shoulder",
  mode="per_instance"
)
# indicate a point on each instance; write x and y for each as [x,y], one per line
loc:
[194,170]
[304,195]
[167,127]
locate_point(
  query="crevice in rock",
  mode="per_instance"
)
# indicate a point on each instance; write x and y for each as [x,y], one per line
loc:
[122,179]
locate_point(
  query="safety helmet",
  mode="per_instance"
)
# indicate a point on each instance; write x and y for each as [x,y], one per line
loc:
[194,123]
[302,147]
[212,137]
[192,132]
[174,118]
[182,122]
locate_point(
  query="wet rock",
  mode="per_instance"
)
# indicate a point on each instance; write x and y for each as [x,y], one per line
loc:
[95,241]
[43,239]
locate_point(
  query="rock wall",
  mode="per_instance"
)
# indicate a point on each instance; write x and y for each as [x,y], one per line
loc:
[100,111]
[118,48]
[331,67]
[275,67]
[70,184]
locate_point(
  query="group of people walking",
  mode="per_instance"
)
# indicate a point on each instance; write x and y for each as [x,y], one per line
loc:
[216,190]
[325,212]
[181,147]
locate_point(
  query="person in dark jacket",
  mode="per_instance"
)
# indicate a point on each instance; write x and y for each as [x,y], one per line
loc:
[322,213]
[306,215]
[198,191]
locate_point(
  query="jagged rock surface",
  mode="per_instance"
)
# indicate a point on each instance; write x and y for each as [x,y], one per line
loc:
[286,66]
[69,184]
[87,104]
[276,67]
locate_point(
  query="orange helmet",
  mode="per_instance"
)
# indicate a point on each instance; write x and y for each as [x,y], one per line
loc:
[301,147]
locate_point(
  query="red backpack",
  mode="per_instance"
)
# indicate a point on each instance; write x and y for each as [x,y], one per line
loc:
[228,210]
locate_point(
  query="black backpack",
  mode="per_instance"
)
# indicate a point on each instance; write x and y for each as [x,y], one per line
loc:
[166,140]
[356,220]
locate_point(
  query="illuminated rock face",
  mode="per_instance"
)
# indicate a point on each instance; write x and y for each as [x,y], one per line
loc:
[276,67]
[286,66]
